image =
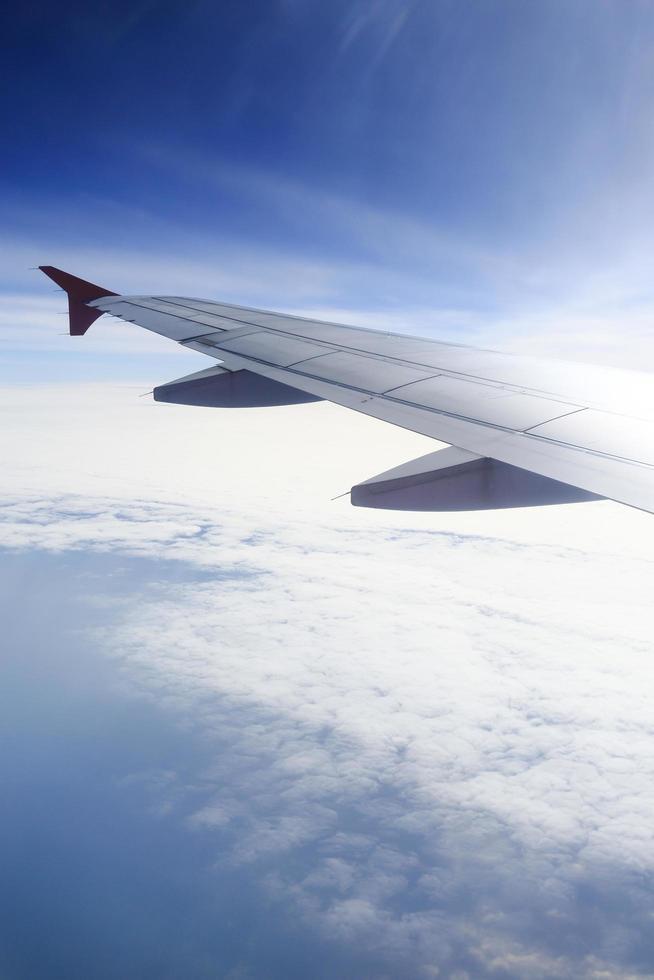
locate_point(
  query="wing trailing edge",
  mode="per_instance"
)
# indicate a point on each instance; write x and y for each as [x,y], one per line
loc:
[455,480]
[535,431]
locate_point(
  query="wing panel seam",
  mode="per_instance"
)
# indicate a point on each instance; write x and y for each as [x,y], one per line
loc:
[530,429]
[372,395]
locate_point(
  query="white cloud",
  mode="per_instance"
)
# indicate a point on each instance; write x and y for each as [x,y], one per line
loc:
[433,732]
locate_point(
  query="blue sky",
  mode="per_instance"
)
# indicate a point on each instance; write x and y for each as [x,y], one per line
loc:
[248,731]
[490,158]
[461,114]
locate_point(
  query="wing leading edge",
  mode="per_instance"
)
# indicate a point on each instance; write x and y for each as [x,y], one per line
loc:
[531,431]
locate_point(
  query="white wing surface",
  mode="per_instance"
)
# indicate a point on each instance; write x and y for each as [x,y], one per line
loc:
[579,431]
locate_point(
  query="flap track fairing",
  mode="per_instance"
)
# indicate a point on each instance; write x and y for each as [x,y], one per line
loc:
[219,388]
[455,480]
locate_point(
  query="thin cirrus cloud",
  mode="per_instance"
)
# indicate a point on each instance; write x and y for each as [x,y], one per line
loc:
[423,770]
[524,303]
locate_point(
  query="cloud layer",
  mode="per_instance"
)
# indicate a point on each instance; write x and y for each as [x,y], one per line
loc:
[432,738]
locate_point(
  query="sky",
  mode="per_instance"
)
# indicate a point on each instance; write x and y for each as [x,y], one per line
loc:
[472,170]
[249,731]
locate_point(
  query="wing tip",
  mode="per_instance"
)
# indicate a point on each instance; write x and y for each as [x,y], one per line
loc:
[79,292]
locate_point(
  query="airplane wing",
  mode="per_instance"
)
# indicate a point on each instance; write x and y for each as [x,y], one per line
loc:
[522,430]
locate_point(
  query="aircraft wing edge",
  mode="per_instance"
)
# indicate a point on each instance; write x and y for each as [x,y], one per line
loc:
[590,472]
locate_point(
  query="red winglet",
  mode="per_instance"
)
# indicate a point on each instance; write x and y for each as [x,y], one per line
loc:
[79,292]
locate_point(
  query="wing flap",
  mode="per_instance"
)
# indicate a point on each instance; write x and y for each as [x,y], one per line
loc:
[618,479]
[482,402]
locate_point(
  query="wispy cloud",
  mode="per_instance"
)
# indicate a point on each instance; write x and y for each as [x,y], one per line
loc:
[577,293]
